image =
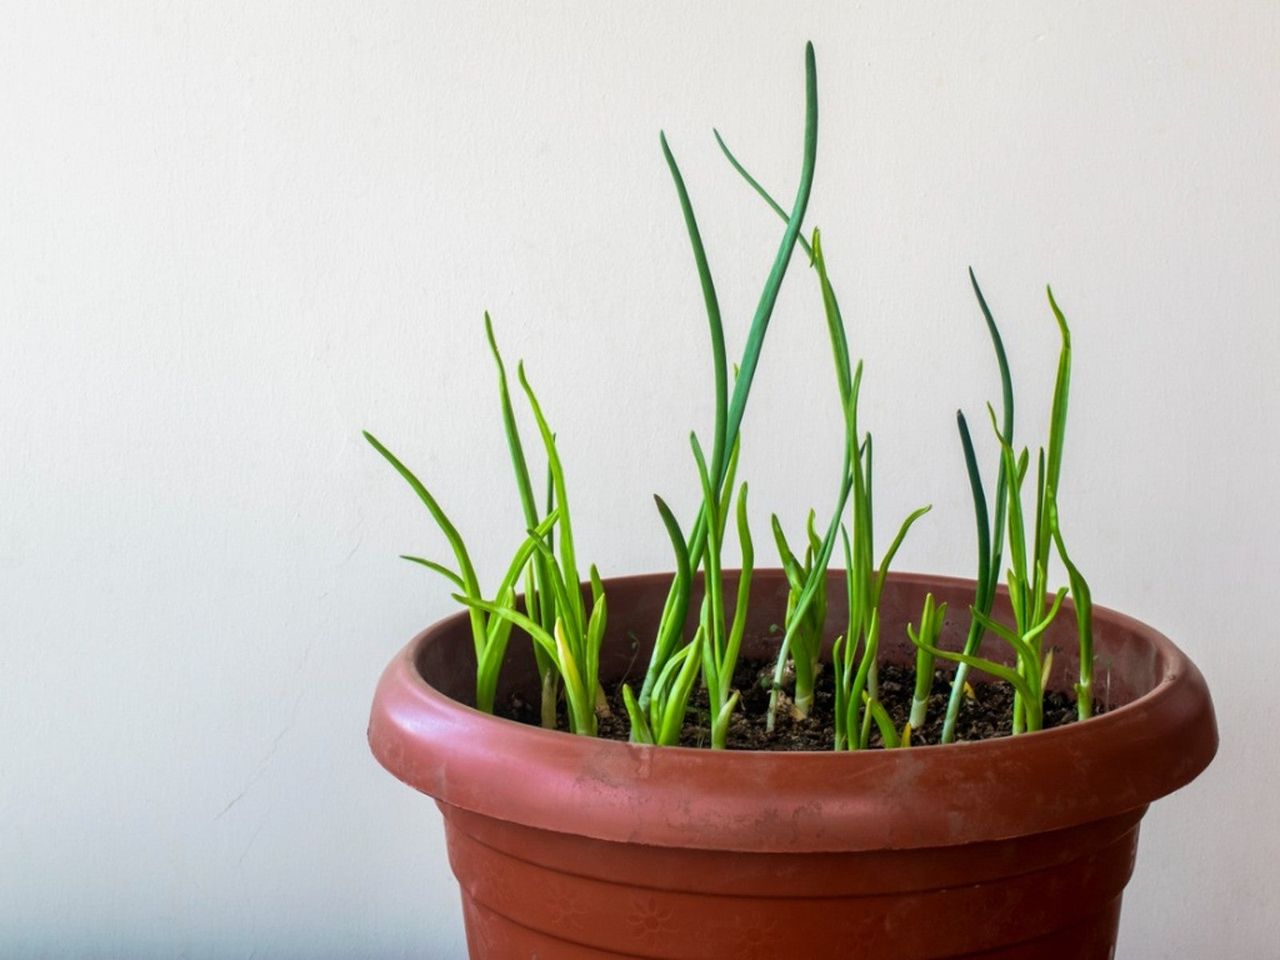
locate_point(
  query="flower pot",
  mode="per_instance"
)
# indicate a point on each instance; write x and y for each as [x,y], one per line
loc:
[570,847]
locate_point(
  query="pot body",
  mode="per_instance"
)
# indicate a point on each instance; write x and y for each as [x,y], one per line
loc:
[570,847]
[528,893]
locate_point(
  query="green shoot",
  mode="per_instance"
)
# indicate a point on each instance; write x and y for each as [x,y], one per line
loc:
[575,652]
[573,611]
[490,634]
[931,620]
[1026,579]
[848,385]
[648,717]
[1083,601]
[855,675]
[716,644]
[539,597]
[721,642]
[884,723]
[661,722]
[806,644]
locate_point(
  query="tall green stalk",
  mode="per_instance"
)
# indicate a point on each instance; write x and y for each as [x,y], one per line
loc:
[730,410]
[847,385]
[539,598]
[856,685]
[1034,607]
[814,583]
[990,539]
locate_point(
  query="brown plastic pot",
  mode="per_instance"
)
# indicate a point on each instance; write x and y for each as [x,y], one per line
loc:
[570,847]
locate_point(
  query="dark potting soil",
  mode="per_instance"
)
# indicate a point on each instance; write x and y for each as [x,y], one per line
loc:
[986,714]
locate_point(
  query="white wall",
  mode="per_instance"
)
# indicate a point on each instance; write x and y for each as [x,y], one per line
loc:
[232,236]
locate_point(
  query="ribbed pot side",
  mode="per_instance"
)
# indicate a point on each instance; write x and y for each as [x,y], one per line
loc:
[572,847]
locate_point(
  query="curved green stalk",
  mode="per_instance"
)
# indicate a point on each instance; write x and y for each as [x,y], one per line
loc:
[1083,600]
[1006,400]
[489,636]
[987,575]
[1061,389]
[998,670]
[491,645]
[640,732]
[864,583]
[662,721]
[893,550]
[468,571]
[672,719]
[769,296]
[719,363]
[439,568]
[876,710]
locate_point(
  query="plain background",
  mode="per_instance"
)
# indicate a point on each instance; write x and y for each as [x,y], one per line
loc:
[233,235]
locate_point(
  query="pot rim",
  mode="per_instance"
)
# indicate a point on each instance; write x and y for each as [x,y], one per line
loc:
[797,801]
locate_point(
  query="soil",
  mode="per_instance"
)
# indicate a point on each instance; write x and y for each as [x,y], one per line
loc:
[986,714]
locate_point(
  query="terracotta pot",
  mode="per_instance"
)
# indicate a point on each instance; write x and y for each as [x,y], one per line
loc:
[568,847]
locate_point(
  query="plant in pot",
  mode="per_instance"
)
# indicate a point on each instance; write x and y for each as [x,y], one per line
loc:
[816,762]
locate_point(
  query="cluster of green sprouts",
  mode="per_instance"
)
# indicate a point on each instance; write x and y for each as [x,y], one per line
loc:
[541,594]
